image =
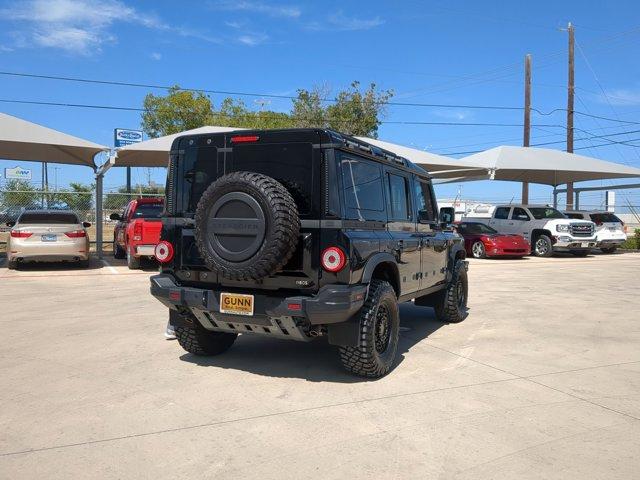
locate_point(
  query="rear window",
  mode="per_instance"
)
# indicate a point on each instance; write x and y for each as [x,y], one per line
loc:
[604,218]
[48,218]
[475,229]
[148,210]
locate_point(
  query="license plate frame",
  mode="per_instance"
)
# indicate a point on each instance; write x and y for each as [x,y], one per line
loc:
[49,237]
[237,304]
[584,244]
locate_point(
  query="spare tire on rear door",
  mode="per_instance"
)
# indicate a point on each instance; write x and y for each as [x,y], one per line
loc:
[247,226]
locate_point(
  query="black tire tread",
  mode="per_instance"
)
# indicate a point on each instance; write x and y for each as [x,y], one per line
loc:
[195,339]
[446,307]
[280,243]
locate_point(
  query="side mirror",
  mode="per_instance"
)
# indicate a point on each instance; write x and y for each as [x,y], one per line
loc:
[86,224]
[447,215]
[423,217]
[11,224]
[115,216]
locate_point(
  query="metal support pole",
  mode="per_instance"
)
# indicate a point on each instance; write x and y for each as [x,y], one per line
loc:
[577,204]
[527,119]
[99,226]
[555,197]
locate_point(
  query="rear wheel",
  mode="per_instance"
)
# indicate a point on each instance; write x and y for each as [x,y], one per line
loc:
[609,249]
[580,253]
[542,246]
[118,251]
[379,332]
[451,306]
[199,341]
[133,262]
[478,250]
[12,265]
[83,263]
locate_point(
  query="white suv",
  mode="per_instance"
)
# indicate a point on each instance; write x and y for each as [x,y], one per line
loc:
[610,230]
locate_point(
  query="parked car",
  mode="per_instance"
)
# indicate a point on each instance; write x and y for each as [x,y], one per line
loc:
[137,231]
[610,230]
[545,228]
[482,241]
[302,233]
[10,214]
[46,236]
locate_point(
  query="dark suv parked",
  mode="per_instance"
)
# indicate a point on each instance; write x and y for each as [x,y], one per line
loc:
[300,234]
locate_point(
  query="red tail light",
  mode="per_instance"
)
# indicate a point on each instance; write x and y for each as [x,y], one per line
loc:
[333,259]
[137,231]
[245,139]
[76,234]
[163,252]
[20,234]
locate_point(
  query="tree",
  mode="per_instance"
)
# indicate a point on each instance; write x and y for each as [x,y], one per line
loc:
[79,197]
[118,200]
[19,193]
[358,113]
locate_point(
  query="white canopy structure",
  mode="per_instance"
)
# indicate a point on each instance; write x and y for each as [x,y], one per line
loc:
[155,152]
[23,140]
[546,166]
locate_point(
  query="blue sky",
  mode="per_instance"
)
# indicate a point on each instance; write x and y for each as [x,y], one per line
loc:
[453,52]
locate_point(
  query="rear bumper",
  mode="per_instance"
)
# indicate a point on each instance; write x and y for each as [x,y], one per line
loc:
[332,304]
[48,252]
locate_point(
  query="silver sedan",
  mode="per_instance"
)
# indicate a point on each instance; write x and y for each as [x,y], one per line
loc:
[48,236]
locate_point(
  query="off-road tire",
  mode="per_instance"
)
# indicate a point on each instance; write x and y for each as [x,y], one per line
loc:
[133,262]
[282,226]
[12,265]
[365,359]
[451,303]
[609,249]
[478,250]
[546,252]
[118,251]
[580,253]
[199,341]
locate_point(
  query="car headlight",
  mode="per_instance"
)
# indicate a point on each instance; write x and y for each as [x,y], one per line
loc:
[563,227]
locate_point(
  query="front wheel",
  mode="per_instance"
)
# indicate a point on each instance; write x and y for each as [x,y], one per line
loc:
[609,249]
[542,247]
[379,332]
[478,250]
[580,253]
[451,304]
[199,341]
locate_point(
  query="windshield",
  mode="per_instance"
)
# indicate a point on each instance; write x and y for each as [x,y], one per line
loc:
[48,218]
[475,229]
[540,213]
[148,210]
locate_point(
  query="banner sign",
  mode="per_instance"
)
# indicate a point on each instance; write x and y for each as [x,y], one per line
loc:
[17,173]
[123,137]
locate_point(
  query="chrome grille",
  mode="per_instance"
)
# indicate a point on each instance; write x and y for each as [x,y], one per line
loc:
[582,229]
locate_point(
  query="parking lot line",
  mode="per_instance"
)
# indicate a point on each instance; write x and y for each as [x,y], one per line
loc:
[109,267]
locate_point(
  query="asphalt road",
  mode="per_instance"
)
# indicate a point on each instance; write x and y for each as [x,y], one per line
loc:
[541,381]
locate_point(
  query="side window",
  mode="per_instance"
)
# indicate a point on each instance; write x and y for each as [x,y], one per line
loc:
[362,185]
[502,213]
[520,214]
[424,201]
[398,197]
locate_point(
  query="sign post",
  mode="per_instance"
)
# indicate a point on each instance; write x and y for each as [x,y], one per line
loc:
[123,137]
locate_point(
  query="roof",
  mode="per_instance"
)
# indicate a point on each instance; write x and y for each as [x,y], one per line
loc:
[23,140]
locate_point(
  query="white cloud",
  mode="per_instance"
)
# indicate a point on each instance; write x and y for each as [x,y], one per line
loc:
[621,97]
[273,10]
[340,21]
[251,40]
[156,56]
[79,26]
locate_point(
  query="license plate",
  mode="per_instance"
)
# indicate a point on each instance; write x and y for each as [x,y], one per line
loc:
[613,229]
[49,238]
[584,245]
[236,304]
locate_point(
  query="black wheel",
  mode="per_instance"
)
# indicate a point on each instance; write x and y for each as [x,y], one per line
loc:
[379,331]
[609,249]
[83,263]
[580,253]
[542,246]
[247,226]
[133,262]
[478,250]
[199,341]
[451,304]
[12,265]
[118,251]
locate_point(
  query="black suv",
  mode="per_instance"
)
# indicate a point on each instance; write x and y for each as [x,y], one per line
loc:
[299,234]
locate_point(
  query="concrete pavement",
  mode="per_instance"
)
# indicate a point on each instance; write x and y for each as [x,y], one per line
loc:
[541,381]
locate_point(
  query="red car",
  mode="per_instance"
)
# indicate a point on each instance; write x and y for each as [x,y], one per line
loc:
[138,230]
[482,241]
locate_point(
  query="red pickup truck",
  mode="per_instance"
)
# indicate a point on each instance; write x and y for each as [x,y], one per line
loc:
[138,230]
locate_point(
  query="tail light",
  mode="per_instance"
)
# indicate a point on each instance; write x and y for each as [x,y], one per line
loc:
[76,234]
[333,259]
[137,231]
[163,252]
[624,227]
[20,234]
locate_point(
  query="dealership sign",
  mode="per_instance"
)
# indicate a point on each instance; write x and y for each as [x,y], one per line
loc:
[17,173]
[123,137]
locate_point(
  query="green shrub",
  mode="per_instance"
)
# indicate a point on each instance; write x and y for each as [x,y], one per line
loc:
[632,243]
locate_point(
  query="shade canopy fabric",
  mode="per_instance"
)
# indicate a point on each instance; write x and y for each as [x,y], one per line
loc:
[431,162]
[155,152]
[546,166]
[23,140]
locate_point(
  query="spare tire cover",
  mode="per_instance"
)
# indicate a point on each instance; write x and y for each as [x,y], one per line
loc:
[247,226]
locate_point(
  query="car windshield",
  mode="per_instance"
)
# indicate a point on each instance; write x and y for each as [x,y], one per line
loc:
[48,218]
[148,210]
[475,229]
[545,212]
[604,218]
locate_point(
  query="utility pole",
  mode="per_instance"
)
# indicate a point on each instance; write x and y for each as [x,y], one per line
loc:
[526,138]
[128,179]
[570,93]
